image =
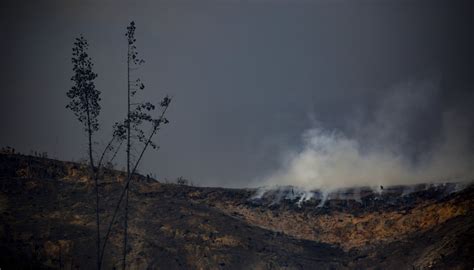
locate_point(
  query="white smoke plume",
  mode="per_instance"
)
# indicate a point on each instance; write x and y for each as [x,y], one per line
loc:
[375,154]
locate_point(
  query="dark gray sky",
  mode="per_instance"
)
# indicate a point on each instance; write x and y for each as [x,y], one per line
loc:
[248,77]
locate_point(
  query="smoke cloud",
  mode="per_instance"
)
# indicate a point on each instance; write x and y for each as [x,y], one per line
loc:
[383,150]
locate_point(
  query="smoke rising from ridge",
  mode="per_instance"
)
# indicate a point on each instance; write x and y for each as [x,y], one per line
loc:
[382,151]
[245,76]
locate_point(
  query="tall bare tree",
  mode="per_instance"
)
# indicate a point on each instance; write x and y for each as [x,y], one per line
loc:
[133,131]
[131,58]
[138,115]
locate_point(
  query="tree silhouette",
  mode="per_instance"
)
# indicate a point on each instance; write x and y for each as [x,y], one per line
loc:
[133,130]
[84,103]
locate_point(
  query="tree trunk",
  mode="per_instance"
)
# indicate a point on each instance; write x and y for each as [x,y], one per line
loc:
[96,183]
[125,230]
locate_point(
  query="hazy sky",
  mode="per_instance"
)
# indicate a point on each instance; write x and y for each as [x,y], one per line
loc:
[249,78]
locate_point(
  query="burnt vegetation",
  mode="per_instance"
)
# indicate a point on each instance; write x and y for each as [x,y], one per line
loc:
[48,217]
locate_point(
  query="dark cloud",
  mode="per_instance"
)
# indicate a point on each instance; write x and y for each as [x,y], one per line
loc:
[248,77]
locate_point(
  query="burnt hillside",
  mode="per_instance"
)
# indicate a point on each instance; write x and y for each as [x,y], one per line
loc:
[47,221]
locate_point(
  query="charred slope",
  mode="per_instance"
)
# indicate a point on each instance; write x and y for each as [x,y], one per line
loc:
[374,218]
[47,221]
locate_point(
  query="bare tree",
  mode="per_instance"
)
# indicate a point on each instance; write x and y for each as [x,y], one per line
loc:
[139,117]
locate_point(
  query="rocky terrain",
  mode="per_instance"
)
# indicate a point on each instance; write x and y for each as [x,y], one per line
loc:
[47,221]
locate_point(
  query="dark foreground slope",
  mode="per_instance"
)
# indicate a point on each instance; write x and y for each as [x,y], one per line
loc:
[47,221]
